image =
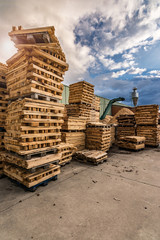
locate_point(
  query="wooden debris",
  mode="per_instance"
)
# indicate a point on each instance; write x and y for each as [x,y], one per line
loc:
[131,142]
[90,156]
[98,136]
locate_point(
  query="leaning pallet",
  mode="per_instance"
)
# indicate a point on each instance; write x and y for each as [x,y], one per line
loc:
[98,136]
[66,150]
[33,125]
[90,156]
[31,180]
[131,142]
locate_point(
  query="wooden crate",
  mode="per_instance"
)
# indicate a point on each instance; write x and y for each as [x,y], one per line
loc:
[98,136]
[33,125]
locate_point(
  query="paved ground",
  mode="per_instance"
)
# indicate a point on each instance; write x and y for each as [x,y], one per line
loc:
[117,200]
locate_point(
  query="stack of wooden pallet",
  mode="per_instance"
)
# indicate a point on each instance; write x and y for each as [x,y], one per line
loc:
[126,126]
[98,136]
[81,96]
[3,102]
[131,142]
[95,111]
[73,132]
[66,150]
[90,156]
[147,123]
[38,66]
[34,116]
[33,125]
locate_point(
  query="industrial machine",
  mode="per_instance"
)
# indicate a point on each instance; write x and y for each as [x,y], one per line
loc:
[135,96]
[108,107]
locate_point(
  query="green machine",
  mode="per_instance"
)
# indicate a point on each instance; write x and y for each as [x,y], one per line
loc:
[109,105]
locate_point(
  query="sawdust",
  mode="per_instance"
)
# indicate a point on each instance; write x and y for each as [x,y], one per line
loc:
[123,111]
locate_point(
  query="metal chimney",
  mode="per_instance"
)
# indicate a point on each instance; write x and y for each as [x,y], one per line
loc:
[135,96]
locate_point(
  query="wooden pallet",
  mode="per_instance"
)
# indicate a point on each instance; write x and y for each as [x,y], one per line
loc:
[34,162]
[31,179]
[66,150]
[81,92]
[90,156]
[73,123]
[33,125]
[147,115]
[126,120]
[131,142]
[98,136]
[79,110]
[77,139]
[122,131]
[151,133]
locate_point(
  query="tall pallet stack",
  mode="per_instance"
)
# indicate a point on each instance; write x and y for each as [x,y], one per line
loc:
[3,107]
[73,132]
[147,123]
[81,96]
[98,136]
[126,126]
[34,116]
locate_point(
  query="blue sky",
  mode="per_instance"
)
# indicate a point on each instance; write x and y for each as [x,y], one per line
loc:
[113,44]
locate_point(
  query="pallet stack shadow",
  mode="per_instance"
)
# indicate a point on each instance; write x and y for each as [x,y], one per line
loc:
[81,96]
[126,126]
[34,115]
[98,136]
[3,107]
[147,123]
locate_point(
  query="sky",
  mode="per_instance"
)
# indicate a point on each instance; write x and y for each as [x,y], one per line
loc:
[113,44]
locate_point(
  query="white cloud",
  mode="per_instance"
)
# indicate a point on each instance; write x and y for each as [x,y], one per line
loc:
[119,73]
[137,70]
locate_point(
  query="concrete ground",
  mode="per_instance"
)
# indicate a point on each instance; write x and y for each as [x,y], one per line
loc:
[117,200]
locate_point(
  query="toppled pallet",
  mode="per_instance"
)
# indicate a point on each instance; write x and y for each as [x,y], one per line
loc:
[90,156]
[34,162]
[31,179]
[131,142]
